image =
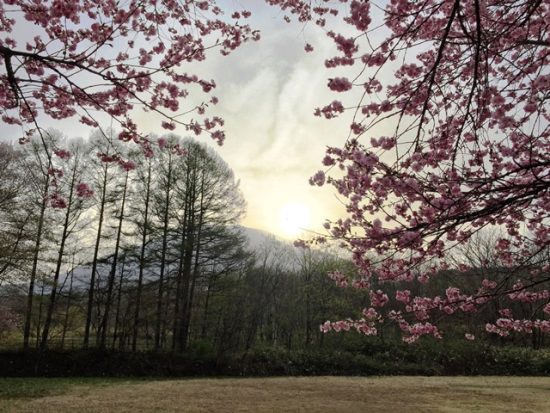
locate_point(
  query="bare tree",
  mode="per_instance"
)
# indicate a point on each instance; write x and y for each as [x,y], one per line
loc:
[73,208]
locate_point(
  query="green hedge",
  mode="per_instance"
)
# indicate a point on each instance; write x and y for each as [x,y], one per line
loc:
[376,359]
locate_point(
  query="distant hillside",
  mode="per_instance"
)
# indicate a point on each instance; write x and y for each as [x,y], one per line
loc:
[262,243]
[267,247]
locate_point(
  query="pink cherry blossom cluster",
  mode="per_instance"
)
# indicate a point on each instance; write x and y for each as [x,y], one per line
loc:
[412,332]
[318,179]
[339,278]
[528,296]
[125,165]
[83,190]
[504,326]
[339,84]
[330,111]
[57,201]
[128,53]
[62,153]
[378,298]
[366,325]
[172,146]
[469,109]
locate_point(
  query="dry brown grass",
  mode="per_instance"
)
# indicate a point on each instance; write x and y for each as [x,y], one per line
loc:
[301,394]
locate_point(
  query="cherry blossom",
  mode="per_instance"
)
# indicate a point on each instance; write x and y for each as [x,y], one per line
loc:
[466,146]
[83,190]
[449,126]
[90,57]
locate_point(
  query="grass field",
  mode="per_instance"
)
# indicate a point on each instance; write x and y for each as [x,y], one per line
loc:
[284,394]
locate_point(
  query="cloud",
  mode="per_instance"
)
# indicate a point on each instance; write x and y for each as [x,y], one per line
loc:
[268,92]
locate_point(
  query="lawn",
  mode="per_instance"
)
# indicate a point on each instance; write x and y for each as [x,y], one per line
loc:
[283,394]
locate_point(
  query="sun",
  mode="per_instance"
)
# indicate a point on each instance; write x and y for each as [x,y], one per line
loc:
[293,218]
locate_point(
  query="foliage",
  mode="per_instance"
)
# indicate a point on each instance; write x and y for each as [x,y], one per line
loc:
[14,250]
[468,109]
[390,359]
[190,231]
[107,57]
[467,104]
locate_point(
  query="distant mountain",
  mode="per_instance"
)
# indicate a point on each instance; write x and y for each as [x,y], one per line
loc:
[258,238]
[261,243]
[266,246]
[270,249]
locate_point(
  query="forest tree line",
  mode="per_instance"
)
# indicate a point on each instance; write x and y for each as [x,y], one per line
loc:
[105,246]
[102,246]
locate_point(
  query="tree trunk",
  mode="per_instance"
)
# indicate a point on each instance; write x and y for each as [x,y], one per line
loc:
[30,294]
[111,281]
[67,308]
[184,234]
[308,311]
[142,259]
[119,297]
[205,310]
[39,322]
[158,325]
[60,254]
[189,297]
[94,261]
[177,316]
[186,281]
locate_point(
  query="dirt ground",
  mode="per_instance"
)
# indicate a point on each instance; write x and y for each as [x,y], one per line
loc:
[301,394]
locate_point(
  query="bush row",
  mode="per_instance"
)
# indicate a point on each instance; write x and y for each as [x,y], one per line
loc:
[388,360]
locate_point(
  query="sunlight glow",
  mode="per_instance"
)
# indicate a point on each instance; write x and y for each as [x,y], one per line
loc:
[293,219]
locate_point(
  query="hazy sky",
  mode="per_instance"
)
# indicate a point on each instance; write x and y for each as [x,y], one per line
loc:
[268,91]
